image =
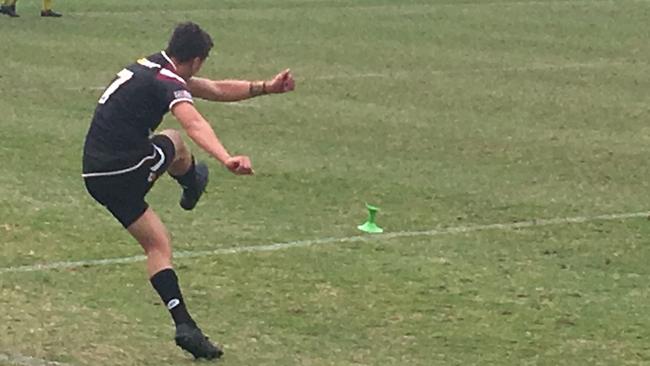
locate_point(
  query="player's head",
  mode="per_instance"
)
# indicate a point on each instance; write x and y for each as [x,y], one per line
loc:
[189,44]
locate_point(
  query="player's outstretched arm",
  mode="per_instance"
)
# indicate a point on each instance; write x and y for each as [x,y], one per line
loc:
[234,90]
[200,131]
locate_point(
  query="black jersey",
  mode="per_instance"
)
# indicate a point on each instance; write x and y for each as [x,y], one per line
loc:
[128,112]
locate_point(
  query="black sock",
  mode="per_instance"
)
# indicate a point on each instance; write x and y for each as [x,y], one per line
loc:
[166,284]
[187,180]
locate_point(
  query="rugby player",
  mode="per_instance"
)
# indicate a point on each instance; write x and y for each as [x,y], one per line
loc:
[123,157]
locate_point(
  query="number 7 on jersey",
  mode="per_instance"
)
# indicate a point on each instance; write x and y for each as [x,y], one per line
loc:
[122,77]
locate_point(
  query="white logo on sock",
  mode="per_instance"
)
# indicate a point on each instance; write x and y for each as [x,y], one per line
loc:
[173,303]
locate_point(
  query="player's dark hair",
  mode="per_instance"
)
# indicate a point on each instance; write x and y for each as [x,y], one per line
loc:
[189,41]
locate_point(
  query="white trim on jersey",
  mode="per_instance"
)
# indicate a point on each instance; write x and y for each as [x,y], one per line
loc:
[180,100]
[168,59]
[152,65]
[171,74]
[136,166]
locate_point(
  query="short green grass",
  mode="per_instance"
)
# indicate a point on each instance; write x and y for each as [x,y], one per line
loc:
[443,113]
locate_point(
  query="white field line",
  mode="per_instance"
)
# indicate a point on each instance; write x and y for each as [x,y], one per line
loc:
[542,67]
[248,104]
[477,70]
[20,360]
[102,88]
[323,241]
[348,76]
[420,74]
[542,2]
[505,3]
[458,4]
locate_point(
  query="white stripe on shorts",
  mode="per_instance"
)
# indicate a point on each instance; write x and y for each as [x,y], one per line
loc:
[136,166]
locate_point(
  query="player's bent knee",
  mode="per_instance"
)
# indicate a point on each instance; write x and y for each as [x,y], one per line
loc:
[182,152]
[173,135]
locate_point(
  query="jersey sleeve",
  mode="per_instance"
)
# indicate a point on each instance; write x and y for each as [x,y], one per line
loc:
[172,92]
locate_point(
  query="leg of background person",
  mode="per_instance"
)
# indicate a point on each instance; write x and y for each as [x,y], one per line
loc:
[47,11]
[9,7]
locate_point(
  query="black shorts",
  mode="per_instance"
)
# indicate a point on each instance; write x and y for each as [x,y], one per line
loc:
[122,193]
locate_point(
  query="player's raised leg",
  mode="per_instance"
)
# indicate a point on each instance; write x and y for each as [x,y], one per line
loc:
[152,235]
[192,176]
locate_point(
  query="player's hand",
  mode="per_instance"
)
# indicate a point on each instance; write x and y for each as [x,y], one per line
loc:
[281,83]
[240,165]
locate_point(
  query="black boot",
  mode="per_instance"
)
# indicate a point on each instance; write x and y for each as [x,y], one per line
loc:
[9,10]
[193,192]
[50,13]
[190,338]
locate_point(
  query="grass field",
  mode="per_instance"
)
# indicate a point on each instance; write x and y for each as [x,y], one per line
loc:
[448,115]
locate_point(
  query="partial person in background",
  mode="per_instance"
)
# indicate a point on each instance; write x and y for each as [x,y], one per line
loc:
[9,8]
